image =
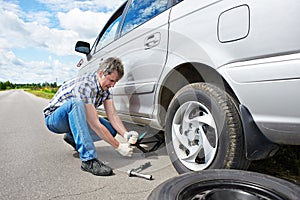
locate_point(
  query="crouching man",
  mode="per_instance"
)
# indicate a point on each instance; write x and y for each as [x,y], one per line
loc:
[73,111]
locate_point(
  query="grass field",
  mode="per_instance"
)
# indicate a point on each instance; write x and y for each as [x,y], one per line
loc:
[284,164]
[46,93]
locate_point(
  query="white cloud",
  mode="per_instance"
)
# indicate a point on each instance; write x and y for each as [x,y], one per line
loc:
[13,32]
[92,5]
[20,34]
[75,25]
[51,70]
[41,18]
[54,32]
[86,23]
[8,57]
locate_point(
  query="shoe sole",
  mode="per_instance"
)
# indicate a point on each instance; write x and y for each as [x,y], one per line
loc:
[106,174]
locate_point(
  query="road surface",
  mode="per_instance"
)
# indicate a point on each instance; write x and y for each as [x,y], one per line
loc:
[37,164]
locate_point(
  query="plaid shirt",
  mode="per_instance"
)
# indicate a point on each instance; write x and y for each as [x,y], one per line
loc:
[86,88]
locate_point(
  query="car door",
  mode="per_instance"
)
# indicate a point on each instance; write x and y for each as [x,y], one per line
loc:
[142,47]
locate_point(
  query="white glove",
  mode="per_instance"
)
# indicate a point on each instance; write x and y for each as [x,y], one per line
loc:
[131,137]
[124,149]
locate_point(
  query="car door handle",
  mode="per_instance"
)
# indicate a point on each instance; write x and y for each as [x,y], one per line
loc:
[152,40]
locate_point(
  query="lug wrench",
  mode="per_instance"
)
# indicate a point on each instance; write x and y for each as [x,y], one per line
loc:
[135,172]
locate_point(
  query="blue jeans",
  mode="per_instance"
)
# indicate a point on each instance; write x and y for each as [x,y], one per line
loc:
[70,118]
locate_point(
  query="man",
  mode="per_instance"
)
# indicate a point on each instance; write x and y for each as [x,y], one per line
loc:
[73,111]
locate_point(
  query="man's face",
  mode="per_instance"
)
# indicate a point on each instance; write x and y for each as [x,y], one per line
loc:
[109,80]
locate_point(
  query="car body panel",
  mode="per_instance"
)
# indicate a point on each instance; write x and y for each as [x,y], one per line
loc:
[255,85]
[253,46]
[269,89]
[143,64]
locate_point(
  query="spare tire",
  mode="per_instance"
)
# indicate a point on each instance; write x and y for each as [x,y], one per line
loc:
[217,184]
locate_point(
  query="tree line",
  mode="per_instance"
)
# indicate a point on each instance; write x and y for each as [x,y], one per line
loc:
[7,85]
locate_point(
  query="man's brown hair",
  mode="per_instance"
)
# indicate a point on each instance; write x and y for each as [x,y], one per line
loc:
[111,64]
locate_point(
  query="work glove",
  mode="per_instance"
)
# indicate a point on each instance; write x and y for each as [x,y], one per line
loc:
[131,137]
[124,149]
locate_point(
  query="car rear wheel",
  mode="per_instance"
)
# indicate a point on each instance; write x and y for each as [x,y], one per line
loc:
[203,130]
[226,184]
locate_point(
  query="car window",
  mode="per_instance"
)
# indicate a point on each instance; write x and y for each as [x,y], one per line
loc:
[141,11]
[176,1]
[109,34]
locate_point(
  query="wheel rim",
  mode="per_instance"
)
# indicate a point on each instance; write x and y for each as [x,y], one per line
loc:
[228,190]
[194,135]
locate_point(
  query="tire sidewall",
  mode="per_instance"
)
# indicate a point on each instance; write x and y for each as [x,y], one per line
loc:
[190,93]
[174,187]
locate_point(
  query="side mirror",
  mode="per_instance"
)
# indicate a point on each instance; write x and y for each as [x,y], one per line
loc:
[83,47]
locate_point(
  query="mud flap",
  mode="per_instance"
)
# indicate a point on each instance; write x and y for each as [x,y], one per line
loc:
[257,145]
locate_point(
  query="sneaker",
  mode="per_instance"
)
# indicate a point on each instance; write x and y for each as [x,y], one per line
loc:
[96,167]
[70,140]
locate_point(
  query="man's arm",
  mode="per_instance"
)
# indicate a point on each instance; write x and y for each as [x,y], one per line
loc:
[100,130]
[113,117]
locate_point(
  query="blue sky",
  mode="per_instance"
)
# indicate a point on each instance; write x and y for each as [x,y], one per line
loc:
[37,37]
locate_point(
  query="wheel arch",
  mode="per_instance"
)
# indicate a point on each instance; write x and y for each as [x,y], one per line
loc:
[184,74]
[187,73]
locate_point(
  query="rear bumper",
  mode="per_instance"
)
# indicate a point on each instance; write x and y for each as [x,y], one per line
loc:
[269,88]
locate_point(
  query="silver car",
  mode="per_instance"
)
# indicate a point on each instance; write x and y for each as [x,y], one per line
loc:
[220,78]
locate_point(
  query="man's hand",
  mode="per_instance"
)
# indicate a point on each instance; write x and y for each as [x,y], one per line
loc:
[131,137]
[124,149]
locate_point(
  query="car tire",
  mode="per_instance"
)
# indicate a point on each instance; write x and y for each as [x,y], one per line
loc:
[204,131]
[220,184]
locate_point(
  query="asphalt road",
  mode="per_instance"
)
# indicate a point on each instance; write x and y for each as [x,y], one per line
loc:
[37,164]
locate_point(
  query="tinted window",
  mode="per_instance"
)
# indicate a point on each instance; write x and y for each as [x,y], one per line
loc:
[109,34]
[141,11]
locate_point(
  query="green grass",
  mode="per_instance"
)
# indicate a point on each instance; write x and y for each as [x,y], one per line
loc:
[284,164]
[46,93]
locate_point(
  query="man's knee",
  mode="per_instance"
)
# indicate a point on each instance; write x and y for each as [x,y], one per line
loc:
[76,105]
